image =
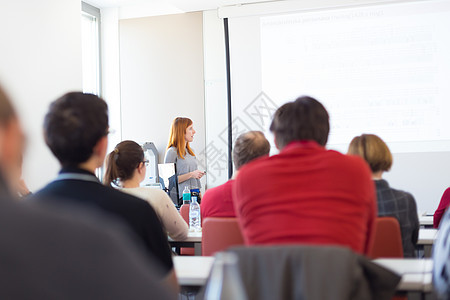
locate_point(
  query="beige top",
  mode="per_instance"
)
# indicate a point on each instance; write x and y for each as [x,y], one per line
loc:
[172,221]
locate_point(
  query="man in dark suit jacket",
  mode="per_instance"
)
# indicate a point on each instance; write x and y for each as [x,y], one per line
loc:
[46,253]
[76,131]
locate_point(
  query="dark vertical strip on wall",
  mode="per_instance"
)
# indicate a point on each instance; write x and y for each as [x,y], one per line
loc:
[230,125]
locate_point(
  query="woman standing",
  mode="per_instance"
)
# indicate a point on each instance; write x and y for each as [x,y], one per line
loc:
[178,151]
[126,168]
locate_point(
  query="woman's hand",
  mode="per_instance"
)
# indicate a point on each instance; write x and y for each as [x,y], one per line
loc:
[197,174]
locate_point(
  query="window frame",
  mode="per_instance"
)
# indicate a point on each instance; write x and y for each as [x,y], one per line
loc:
[95,12]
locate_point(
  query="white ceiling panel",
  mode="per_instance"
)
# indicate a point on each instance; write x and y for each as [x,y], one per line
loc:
[183,5]
[197,5]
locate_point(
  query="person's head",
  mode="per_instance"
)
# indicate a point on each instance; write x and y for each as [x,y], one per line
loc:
[249,146]
[76,129]
[125,162]
[181,134]
[373,150]
[12,142]
[303,119]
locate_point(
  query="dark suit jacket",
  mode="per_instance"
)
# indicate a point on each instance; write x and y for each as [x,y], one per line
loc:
[134,212]
[49,253]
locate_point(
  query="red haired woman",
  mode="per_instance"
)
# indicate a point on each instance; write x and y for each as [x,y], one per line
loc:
[178,151]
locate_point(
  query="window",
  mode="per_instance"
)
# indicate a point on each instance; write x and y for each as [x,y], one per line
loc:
[90,50]
[90,41]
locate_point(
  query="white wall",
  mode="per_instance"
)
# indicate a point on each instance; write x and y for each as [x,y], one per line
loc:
[40,59]
[216,108]
[111,72]
[425,175]
[161,77]
[145,96]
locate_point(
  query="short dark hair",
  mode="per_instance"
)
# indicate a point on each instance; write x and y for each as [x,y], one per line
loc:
[248,146]
[7,111]
[303,119]
[73,126]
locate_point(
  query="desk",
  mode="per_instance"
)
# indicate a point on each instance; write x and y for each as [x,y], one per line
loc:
[416,273]
[426,221]
[192,270]
[427,236]
[194,240]
[426,240]
[406,265]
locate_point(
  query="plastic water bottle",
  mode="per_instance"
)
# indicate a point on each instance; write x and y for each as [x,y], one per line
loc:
[186,195]
[194,215]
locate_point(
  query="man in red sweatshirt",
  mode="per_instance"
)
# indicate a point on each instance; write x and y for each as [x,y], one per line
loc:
[306,194]
[218,201]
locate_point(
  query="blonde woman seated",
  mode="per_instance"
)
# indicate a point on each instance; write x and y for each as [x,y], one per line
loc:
[391,202]
[126,168]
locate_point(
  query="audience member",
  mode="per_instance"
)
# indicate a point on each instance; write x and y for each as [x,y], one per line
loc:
[218,201]
[126,168]
[76,131]
[305,194]
[442,208]
[441,259]
[391,202]
[12,142]
[47,254]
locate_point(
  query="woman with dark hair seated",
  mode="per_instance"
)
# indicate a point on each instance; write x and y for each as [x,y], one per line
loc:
[391,202]
[126,167]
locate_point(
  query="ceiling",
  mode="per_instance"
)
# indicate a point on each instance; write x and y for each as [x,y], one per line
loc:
[181,5]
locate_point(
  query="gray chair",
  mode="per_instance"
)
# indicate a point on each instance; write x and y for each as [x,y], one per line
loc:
[312,272]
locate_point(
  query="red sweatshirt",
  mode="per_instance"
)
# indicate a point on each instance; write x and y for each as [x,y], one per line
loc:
[307,195]
[443,205]
[218,202]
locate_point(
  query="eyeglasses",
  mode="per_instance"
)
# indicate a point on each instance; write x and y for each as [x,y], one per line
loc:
[146,162]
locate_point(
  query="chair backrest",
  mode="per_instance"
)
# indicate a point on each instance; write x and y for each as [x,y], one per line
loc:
[184,212]
[220,233]
[311,272]
[387,239]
